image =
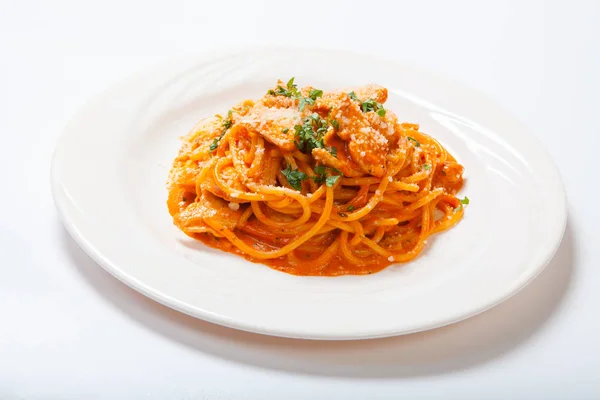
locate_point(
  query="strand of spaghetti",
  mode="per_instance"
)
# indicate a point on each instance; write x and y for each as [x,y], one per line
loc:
[378,234]
[202,176]
[386,222]
[258,153]
[320,262]
[416,177]
[360,181]
[287,202]
[358,233]
[409,187]
[376,198]
[306,209]
[391,201]
[340,225]
[301,156]
[265,255]
[347,252]
[267,221]
[245,215]
[443,154]
[426,199]
[375,247]
[403,217]
[403,257]
[329,228]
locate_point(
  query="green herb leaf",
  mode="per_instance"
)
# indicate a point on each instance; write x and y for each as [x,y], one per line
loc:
[465,200]
[321,175]
[294,177]
[315,93]
[310,134]
[415,141]
[372,105]
[226,125]
[426,167]
[331,180]
[353,96]
[290,91]
[285,130]
[320,169]
[333,151]
[350,208]
[290,83]
[302,104]
[335,123]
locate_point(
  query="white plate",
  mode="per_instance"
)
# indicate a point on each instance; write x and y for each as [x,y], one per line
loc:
[110,168]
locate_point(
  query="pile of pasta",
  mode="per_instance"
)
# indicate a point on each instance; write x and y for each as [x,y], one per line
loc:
[314,183]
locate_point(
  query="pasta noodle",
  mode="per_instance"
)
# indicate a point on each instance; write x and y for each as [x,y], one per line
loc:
[314,183]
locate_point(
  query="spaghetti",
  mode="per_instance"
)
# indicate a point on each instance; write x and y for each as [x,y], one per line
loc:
[314,183]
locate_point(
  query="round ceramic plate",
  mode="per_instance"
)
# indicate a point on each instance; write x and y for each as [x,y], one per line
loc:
[110,168]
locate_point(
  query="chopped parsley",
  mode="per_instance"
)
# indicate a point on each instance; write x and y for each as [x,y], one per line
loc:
[226,125]
[321,175]
[335,123]
[464,201]
[426,167]
[415,141]
[285,130]
[313,95]
[310,134]
[333,151]
[372,105]
[331,180]
[320,169]
[291,90]
[294,177]
[369,105]
[350,208]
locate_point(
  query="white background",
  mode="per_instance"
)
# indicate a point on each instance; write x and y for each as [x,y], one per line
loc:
[68,330]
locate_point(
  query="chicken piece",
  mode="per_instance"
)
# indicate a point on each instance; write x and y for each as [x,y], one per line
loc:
[209,210]
[370,91]
[275,124]
[367,147]
[331,99]
[385,125]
